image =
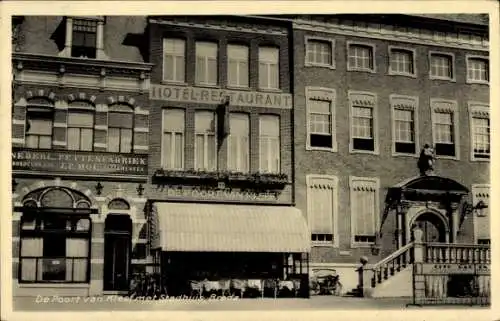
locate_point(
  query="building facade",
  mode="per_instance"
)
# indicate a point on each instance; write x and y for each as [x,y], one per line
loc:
[80,144]
[370,92]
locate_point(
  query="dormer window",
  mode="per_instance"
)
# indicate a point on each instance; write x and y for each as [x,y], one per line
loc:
[84,36]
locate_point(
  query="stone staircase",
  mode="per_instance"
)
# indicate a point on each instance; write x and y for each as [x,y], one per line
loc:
[392,276]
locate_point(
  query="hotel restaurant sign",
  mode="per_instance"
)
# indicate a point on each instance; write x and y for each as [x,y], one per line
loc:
[78,163]
[215,96]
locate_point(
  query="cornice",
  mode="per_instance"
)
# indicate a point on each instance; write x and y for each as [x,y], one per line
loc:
[276,31]
[400,34]
[83,62]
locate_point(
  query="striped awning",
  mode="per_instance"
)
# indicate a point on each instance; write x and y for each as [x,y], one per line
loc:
[189,227]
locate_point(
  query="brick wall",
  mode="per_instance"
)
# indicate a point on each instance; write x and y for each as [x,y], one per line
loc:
[388,168]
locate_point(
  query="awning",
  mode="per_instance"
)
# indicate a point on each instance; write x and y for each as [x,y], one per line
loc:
[189,227]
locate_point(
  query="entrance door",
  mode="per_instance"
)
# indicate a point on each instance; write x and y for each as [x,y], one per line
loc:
[432,227]
[117,248]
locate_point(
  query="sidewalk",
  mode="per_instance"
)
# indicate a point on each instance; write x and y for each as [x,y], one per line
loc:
[112,303]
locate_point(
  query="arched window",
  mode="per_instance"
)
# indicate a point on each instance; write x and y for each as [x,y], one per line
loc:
[55,239]
[120,128]
[81,126]
[39,123]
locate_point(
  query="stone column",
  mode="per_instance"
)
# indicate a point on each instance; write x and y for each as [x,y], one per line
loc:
[66,52]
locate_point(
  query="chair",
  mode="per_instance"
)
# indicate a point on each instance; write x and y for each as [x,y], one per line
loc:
[239,285]
[196,286]
[257,285]
[225,287]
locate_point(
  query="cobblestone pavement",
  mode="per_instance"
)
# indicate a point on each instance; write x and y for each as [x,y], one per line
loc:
[114,303]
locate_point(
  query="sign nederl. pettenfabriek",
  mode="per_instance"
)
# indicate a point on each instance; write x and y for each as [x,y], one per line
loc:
[74,162]
[215,96]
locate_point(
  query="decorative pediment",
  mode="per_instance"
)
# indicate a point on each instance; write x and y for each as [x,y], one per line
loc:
[403,102]
[362,99]
[320,93]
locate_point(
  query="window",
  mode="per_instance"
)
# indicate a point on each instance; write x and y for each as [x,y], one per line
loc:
[237,69]
[205,142]
[443,126]
[206,63]
[269,143]
[174,60]
[444,119]
[481,192]
[80,130]
[120,131]
[320,124]
[268,68]
[84,38]
[441,66]
[402,62]
[238,143]
[363,129]
[361,57]
[404,124]
[39,129]
[320,53]
[173,139]
[478,70]
[479,117]
[481,137]
[364,209]
[320,118]
[55,248]
[322,209]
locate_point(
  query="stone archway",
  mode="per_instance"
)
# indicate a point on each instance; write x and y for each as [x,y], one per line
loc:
[433,225]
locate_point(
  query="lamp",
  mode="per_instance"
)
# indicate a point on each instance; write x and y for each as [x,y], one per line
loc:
[480,208]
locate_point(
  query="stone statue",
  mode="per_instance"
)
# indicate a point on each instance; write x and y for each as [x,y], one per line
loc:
[426,160]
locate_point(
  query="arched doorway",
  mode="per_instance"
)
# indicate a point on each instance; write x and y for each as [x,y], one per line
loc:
[432,226]
[117,249]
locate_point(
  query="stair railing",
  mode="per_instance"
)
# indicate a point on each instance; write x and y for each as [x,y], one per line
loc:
[391,264]
[372,274]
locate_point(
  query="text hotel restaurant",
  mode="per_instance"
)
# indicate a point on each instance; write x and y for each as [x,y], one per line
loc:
[206,148]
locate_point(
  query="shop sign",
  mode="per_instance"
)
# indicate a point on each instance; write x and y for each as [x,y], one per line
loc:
[226,194]
[216,96]
[76,162]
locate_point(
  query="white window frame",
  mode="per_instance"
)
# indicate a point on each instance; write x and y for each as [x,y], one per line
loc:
[163,62]
[411,103]
[451,106]
[475,189]
[453,68]
[268,63]
[334,184]
[249,137]
[265,169]
[357,95]
[475,81]
[68,41]
[477,110]
[205,144]
[414,62]
[217,65]
[330,41]
[182,143]
[365,44]
[238,72]
[324,94]
[373,182]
